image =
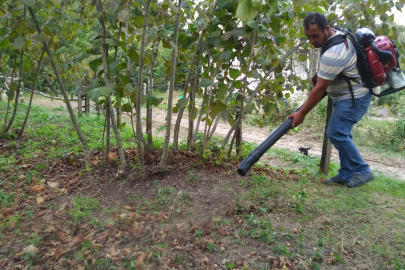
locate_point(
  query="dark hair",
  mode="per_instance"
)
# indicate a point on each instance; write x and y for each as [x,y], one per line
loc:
[315,18]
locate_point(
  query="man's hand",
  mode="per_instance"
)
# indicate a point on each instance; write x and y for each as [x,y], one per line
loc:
[297,117]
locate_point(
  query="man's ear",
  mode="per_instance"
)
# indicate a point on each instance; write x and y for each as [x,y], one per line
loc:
[327,28]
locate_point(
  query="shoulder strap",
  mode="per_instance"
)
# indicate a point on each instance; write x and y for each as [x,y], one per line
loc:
[335,40]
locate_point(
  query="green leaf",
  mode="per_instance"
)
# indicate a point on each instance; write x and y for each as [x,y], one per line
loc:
[10,95]
[133,55]
[255,74]
[95,93]
[40,37]
[269,108]
[223,88]
[48,31]
[246,11]
[109,42]
[234,73]
[153,100]
[139,21]
[384,17]
[399,5]
[19,43]
[95,64]
[225,55]
[182,103]
[273,3]
[275,24]
[123,15]
[301,3]
[302,57]
[238,32]
[4,43]
[249,108]
[113,65]
[13,86]
[174,8]
[29,3]
[128,90]
[123,124]
[126,108]
[205,83]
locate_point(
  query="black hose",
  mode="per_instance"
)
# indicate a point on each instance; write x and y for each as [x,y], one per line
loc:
[256,154]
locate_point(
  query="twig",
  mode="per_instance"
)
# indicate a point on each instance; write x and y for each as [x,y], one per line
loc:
[173,204]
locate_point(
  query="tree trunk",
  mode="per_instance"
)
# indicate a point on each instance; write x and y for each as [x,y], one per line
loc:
[238,131]
[17,96]
[140,88]
[79,98]
[181,111]
[31,97]
[65,95]
[108,84]
[150,91]
[193,83]
[163,160]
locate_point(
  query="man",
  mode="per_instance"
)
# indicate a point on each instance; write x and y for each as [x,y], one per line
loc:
[349,107]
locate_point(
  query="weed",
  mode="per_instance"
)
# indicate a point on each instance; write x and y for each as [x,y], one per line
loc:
[198,233]
[211,247]
[34,239]
[6,200]
[83,206]
[192,177]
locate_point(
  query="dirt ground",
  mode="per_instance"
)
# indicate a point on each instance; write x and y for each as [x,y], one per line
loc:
[391,167]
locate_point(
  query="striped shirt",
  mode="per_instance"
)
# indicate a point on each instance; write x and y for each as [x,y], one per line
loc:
[341,59]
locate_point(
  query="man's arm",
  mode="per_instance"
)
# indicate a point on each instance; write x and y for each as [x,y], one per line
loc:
[313,99]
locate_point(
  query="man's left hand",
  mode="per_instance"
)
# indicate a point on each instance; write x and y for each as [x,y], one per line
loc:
[297,117]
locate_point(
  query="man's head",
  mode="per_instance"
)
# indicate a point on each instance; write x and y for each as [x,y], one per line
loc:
[317,29]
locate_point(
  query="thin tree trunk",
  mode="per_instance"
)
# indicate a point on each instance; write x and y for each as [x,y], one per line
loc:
[163,160]
[108,84]
[190,115]
[150,90]
[19,83]
[199,117]
[205,138]
[31,97]
[108,130]
[8,101]
[140,88]
[181,111]
[218,117]
[65,95]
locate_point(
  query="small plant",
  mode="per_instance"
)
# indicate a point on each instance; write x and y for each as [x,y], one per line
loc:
[211,247]
[198,233]
[83,206]
[192,177]
[6,200]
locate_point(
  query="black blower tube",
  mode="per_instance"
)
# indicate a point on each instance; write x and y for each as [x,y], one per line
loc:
[256,154]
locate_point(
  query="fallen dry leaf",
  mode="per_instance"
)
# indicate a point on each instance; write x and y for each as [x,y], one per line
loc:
[113,252]
[30,249]
[40,200]
[21,176]
[7,212]
[140,260]
[38,188]
[112,156]
[52,184]
[60,252]
[77,240]
[61,234]
[94,160]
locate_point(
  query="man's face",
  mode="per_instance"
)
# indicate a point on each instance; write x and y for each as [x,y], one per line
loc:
[317,37]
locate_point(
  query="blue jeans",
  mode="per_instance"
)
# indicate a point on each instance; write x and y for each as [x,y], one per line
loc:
[343,118]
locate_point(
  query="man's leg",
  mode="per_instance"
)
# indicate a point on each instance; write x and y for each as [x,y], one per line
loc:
[339,132]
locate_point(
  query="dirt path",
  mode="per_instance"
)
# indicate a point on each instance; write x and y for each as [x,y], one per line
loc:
[392,167]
